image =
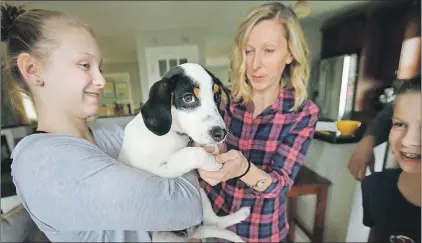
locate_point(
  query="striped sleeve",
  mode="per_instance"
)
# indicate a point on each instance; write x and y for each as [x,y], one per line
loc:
[291,153]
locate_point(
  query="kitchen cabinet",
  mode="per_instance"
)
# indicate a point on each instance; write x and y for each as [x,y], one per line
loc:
[376,34]
[343,36]
[385,35]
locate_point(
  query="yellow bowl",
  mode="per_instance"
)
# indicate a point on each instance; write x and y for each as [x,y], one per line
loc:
[347,127]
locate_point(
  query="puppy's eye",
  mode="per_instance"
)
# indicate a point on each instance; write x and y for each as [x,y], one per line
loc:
[189,98]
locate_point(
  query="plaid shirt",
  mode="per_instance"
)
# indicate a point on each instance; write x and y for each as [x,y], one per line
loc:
[276,141]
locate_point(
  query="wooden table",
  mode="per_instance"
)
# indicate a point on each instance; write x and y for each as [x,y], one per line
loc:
[308,183]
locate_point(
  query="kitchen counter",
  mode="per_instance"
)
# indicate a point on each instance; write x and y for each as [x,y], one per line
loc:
[331,137]
[326,131]
[124,116]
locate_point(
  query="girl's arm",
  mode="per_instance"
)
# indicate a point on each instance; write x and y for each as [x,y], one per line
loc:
[71,185]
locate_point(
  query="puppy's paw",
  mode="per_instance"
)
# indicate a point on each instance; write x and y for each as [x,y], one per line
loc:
[234,218]
[244,212]
[211,165]
[207,162]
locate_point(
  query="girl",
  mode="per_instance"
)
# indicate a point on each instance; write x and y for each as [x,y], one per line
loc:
[66,174]
[392,198]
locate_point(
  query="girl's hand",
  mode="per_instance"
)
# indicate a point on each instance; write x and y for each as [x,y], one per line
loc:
[234,165]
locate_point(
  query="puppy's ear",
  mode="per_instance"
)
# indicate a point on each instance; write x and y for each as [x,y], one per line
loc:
[225,93]
[157,110]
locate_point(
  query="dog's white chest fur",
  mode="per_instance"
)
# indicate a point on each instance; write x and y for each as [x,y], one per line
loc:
[154,149]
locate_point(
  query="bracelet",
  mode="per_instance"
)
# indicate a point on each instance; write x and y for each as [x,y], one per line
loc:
[247,170]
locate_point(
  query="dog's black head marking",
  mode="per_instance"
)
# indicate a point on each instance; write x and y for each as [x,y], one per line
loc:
[175,88]
[156,111]
[217,96]
[184,97]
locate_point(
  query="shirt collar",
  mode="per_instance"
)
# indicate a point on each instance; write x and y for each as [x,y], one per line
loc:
[284,102]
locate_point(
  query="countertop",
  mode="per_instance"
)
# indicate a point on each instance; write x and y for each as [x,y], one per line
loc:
[332,138]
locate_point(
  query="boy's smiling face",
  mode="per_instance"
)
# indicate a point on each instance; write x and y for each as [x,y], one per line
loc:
[405,134]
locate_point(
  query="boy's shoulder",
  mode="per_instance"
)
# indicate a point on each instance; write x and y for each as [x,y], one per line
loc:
[380,182]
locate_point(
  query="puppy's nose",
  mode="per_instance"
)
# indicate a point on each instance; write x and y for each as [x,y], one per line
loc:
[218,133]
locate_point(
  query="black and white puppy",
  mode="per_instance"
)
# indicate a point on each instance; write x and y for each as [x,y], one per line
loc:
[181,107]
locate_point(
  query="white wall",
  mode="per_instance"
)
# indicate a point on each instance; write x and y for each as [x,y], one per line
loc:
[311,28]
[221,73]
[166,38]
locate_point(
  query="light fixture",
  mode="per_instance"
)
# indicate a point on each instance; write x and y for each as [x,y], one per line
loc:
[301,8]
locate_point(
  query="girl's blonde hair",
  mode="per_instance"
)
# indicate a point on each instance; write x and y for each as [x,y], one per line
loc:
[295,75]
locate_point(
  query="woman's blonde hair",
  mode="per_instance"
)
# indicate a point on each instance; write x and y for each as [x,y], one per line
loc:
[296,73]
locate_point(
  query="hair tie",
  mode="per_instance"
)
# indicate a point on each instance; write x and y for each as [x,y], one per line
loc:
[246,171]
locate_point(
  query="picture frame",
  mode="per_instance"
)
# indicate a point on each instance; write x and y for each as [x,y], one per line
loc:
[109,91]
[121,90]
[118,89]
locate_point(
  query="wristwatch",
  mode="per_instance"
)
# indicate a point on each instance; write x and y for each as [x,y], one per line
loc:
[259,183]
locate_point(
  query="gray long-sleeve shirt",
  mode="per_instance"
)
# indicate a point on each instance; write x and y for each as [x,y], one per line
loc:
[76,191]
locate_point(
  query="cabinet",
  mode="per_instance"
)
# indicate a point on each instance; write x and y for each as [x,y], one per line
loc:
[344,36]
[376,34]
[385,37]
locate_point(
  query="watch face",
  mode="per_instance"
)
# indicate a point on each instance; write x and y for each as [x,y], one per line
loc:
[261,182]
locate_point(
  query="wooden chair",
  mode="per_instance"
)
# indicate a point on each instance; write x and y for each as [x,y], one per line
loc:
[308,182]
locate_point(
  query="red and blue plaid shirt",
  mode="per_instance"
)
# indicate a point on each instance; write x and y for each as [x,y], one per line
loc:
[276,141]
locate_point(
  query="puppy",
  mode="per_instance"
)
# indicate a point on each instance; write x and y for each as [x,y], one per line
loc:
[181,108]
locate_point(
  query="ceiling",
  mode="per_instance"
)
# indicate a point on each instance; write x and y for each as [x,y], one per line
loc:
[116,23]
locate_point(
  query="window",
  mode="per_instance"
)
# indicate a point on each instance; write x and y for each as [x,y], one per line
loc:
[166,64]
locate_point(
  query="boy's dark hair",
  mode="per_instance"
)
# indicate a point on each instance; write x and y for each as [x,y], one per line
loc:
[410,86]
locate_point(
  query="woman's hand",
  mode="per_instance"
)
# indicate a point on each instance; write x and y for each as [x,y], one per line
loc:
[234,165]
[211,149]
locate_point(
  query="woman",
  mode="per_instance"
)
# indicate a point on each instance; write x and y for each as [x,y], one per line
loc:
[271,125]
[392,198]
[66,174]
